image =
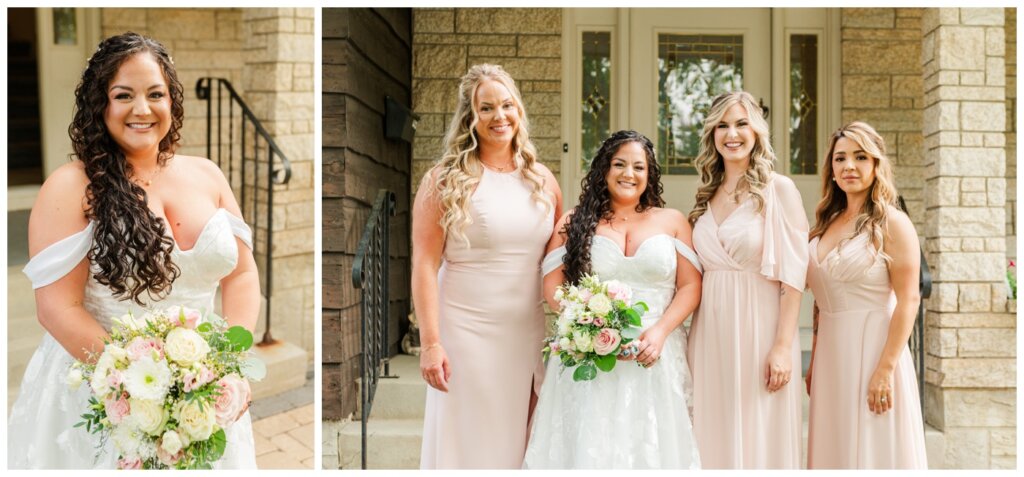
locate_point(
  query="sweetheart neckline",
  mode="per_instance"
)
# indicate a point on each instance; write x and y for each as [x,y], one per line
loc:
[638,247]
[199,237]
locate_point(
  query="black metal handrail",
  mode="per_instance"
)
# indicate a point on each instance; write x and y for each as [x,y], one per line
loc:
[916,342]
[243,166]
[370,276]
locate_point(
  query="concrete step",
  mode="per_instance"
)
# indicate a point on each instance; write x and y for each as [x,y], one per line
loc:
[286,368]
[403,397]
[391,444]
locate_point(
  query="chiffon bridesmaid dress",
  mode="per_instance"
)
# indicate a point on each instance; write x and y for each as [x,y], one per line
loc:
[746,257]
[855,302]
[492,327]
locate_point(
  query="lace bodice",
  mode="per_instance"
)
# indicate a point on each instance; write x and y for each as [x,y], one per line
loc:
[213,257]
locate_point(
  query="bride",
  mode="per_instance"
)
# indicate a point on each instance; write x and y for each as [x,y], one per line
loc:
[634,417]
[128,224]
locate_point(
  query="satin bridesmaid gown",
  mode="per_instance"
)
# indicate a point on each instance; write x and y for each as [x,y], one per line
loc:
[492,327]
[747,257]
[855,302]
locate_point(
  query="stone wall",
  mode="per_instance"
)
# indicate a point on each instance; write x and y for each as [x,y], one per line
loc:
[1011,132]
[367,55]
[881,67]
[526,42]
[203,42]
[970,375]
[277,77]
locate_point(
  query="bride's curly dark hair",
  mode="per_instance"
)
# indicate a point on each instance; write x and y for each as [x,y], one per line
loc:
[130,245]
[595,201]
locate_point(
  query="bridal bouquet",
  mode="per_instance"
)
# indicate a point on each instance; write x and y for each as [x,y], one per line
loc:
[597,320]
[165,387]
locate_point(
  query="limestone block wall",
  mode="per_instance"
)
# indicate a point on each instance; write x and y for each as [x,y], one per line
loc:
[525,41]
[367,55]
[203,42]
[970,376]
[277,77]
[881,68]
[1010,29]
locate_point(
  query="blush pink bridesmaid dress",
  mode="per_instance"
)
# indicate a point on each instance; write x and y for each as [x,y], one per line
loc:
[855,302]
[492,327]
[738,424]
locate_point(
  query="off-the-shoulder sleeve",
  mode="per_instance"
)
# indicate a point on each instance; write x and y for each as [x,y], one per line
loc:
[688,254]
[552,260]
[57,260]
[240,229]
[785,252]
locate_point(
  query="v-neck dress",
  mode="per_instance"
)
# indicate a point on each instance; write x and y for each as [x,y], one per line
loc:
[855,301]
[737,422]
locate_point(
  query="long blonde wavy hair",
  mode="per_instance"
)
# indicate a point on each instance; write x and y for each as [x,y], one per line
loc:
[459,168]
[709,162]
[882,194]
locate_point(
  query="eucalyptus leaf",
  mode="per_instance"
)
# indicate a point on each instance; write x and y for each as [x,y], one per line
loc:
[585,372]
[633,317]
[218,442]
[630,333]
[253,368]
[240,338]
[605,363]
[204,328]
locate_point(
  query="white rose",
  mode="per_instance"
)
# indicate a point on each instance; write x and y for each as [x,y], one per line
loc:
[148,415]
[564,343]
[74,378]
[583,342]
[185,346]
[171,442]
[195,421]
[600,305]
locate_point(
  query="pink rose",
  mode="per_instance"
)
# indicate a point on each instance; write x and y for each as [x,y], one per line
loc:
[191,317]
[606,341]
[141,347]
[133,463]
[234,397]
[117,407]
[619,291]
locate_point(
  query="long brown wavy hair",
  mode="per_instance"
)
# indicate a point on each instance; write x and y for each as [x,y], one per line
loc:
[881,195]
[710,164]
[595,201]
[459,167]
[130,248]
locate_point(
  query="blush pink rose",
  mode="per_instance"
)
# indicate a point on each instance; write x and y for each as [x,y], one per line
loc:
[619,291]
[117,407]
[234,397]
[606,341]
[141,347]
[129,463]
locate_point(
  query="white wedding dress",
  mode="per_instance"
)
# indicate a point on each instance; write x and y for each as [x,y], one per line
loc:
[40,432]
[631,417]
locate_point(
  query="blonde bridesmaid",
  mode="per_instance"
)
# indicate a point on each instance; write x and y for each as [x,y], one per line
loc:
[482,218]
[750,233]
[864,270]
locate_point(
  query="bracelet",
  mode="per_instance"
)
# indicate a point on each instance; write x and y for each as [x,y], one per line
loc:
[428,348]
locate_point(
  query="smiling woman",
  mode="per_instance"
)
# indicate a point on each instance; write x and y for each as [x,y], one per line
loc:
[113,233]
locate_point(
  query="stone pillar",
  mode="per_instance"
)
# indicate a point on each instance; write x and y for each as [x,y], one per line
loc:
[278,81]
[970,339]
